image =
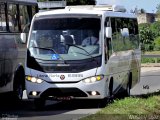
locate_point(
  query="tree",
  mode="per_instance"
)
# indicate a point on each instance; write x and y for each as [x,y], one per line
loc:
[75,2]
[155,28]
[146,37]
[157,43]
[141,10]
[158,9]
[41,0]
[81,2]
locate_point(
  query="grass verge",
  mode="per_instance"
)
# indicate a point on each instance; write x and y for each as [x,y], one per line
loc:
[130,108]
[152,52]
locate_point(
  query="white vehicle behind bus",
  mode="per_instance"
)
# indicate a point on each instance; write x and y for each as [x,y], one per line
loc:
[59,66]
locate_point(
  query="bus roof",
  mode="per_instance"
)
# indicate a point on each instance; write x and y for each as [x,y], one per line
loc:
[24,1]
[84,10]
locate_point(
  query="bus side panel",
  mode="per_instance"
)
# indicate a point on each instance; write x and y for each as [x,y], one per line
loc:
[13,53]
[135,66]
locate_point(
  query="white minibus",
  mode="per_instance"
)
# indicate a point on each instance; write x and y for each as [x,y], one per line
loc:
[83,52]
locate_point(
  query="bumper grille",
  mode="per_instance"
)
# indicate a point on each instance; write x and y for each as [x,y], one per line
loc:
[63,92]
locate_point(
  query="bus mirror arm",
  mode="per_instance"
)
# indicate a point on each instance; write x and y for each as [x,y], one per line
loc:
[108,32]
[23,38]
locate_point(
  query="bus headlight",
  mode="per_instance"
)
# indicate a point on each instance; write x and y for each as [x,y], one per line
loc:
[93,79]
[34,79]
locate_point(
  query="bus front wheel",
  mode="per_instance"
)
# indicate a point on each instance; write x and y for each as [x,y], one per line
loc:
[18,86]
[129,84]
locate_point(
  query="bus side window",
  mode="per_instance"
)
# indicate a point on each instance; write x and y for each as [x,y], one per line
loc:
[33,10]
[108,45]
[13,18]
[2,18]
[133,33]
[24,18]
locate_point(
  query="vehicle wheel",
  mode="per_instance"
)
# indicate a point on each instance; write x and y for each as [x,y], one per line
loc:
[110,99]
[39,103]
[18,86]
[18,92]
[129,84]
[128,90]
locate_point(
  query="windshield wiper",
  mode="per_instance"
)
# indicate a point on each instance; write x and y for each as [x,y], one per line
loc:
[50,49]
[87,55]
[83,50]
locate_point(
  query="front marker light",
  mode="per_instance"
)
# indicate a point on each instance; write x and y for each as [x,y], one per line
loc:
[34,79]
[93,79]
[99,77]
[28,78]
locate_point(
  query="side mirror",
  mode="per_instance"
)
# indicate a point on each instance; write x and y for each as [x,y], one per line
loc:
[23,37]
[108,32]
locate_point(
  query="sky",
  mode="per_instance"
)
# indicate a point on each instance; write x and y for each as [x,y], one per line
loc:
[148,5]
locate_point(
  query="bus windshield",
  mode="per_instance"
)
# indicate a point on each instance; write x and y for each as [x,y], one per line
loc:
[70,38]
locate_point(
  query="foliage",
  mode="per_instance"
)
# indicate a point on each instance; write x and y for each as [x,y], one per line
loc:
[157,43]
[81,2]
[149,34]
[75,2]
[155,28]
[129,108]
[146,37]
[150,60]
[142,10]
[158,8]
[144,25]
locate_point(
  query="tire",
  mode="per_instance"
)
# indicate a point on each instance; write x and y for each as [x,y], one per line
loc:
[102,103]
[18,92]
[129,84]
[18,86]
[110,93]
[39,103]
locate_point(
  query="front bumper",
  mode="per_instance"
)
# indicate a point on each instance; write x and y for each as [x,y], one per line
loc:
[78,90]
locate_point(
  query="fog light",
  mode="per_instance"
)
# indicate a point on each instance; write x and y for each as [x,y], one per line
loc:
[34,93]
[93,92]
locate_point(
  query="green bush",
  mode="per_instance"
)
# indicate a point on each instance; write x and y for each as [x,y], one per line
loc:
[148,60]
[157,43]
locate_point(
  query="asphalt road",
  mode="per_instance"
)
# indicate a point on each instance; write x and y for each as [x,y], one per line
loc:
[149,82]
[72,110]
[151,56]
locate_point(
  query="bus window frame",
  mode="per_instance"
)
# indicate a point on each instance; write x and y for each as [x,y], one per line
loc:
[28,5]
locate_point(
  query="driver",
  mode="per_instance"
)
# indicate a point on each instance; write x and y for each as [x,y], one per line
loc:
[90,40]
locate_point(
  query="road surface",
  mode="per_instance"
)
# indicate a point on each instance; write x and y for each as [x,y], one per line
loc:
[149,82]
[72,110]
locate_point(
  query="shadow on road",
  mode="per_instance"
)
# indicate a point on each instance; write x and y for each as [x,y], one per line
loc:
[26,107]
